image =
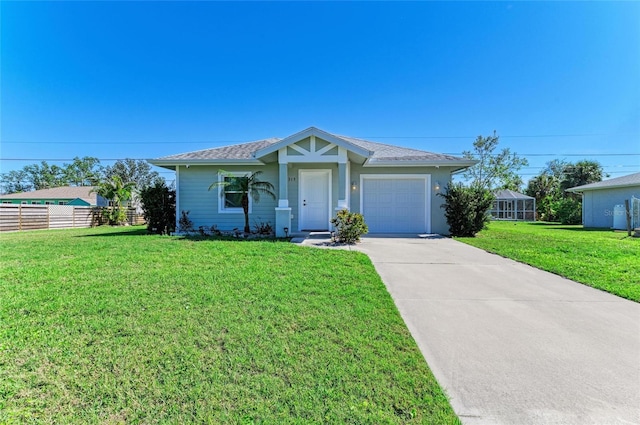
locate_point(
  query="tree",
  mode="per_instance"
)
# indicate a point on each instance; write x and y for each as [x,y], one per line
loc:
[116,191]
[466,208]
[84,171]
[15,181]
[44,176]
[549,188]
[159,206]
[581,173]
[493,170]
[81,172]
[131,170]
[248,186]
[546,189]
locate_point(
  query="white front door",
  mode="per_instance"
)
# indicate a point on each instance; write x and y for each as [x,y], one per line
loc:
[315,193]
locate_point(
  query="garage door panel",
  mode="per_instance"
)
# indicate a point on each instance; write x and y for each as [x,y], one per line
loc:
[394,205]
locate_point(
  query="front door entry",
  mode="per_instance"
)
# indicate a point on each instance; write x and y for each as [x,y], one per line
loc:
[315,194]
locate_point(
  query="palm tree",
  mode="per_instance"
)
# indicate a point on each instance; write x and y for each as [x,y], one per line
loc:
[247,185]
[117,191]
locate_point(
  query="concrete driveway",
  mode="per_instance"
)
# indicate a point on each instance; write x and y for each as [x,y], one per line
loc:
[512,344]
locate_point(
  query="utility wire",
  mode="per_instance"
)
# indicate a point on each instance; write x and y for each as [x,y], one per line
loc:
[530,136]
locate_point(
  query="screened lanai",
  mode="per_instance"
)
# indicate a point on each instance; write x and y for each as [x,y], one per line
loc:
[510,205]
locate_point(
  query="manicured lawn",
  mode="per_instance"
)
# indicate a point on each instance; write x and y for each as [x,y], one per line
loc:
[114,326]
[603,259]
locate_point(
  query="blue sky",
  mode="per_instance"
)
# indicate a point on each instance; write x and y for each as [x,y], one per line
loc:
[146,79]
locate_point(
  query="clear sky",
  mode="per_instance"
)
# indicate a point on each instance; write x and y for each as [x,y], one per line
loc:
[148,79]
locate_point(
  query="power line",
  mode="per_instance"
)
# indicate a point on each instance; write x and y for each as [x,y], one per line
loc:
[521,136]
[446,153]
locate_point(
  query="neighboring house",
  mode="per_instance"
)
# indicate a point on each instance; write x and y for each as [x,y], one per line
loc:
[510,205]
[315,174]
[599,200]
[66,195]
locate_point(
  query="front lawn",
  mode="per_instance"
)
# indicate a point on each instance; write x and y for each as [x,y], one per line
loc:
[110,325]
[603,259]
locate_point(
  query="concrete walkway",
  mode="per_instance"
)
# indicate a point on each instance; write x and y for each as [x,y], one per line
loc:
[512,344]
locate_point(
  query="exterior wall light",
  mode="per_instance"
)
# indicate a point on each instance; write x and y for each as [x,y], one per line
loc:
[354,186]
[437,186]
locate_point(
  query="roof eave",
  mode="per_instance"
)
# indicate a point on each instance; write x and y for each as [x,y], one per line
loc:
[172,163]
[579,189]
[412,163]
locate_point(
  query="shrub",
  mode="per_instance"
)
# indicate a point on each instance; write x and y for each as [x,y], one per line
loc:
[263,228]
[349,226]
[569,211]
[466,208]
[159,208]
[185,225]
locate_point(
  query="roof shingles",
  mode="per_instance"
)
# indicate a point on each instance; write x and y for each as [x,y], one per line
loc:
[629,180]
[380,152]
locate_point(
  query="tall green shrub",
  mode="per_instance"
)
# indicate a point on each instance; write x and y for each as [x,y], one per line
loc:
[466,208]
[159,207]
[569,211]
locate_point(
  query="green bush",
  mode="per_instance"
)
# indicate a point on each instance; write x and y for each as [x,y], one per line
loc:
[466,208]
[569,211]
[349,226]
[159,208]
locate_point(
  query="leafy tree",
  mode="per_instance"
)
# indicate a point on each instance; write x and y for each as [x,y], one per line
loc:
[546,189]
[118,192]
[248,186]
[569,211]
[44,176]
[84,171]
[581,173]
[15,181]
[493,170]
[159,206]
[556,168]
[131,170]
[466,208]
[549,189]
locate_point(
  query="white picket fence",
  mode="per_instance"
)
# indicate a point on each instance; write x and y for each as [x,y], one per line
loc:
[32,217]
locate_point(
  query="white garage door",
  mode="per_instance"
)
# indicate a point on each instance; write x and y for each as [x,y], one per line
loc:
[395,205]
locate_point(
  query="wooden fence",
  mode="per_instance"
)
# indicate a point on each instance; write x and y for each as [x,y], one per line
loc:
[33,217]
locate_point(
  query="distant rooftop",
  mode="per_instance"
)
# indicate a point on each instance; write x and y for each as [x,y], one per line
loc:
[624,181]
[63,192]
[510,194]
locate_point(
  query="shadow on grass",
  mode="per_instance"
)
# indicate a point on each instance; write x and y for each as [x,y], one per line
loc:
[127,231]
[572,227]
[198,238]
[123,232]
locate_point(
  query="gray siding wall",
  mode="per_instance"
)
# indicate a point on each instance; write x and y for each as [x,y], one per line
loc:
[597,205]
[441,175]
[194,196]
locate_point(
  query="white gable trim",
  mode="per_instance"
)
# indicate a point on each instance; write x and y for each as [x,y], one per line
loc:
[312,132]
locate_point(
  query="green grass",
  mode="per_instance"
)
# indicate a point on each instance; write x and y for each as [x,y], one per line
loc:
[603,259]
[111,325]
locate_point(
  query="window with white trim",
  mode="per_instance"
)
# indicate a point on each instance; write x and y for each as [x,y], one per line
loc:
[230,199]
